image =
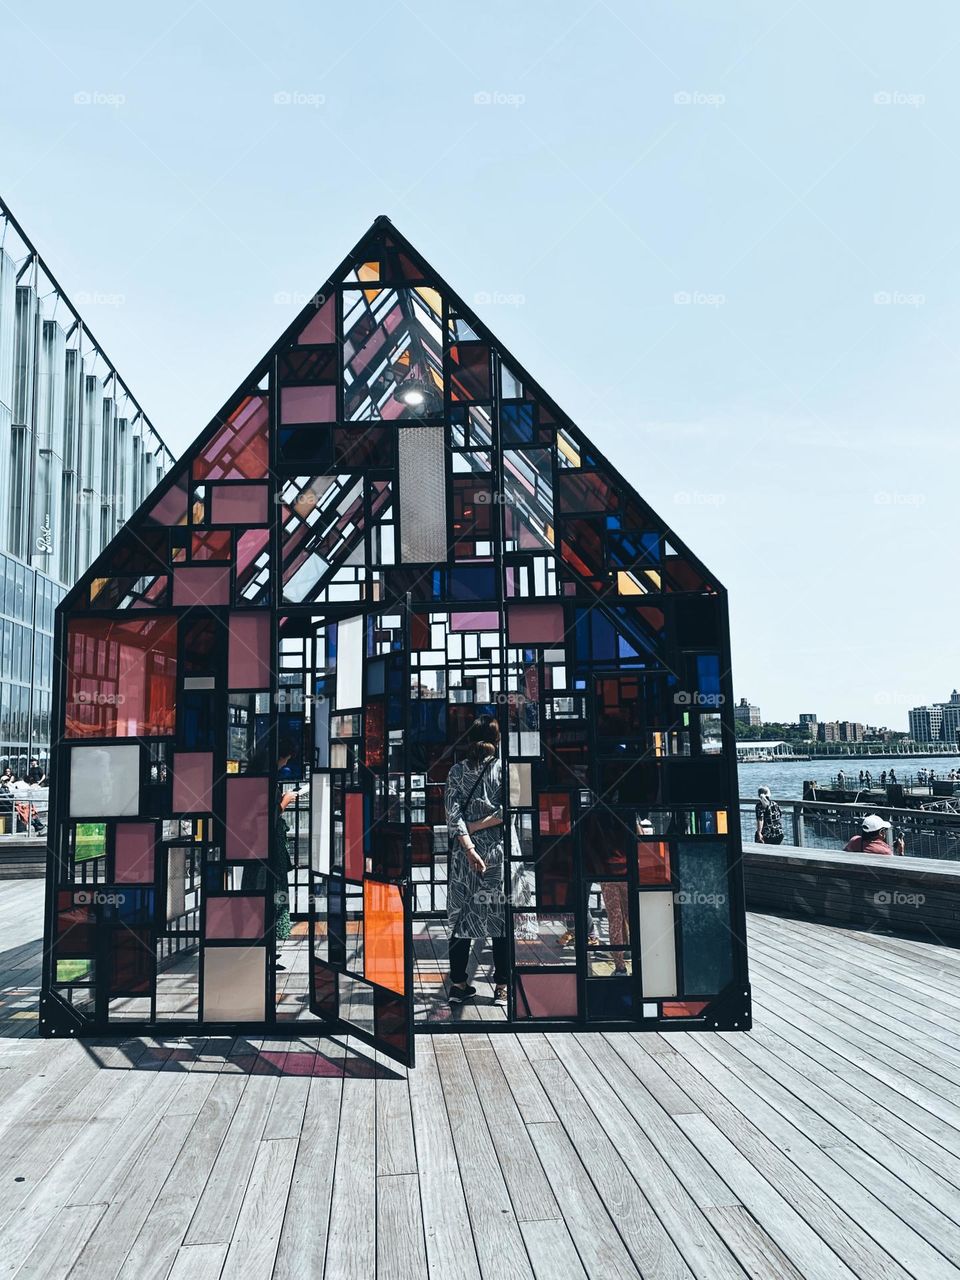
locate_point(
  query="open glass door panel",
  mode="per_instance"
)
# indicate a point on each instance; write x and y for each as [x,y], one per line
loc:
[360,902]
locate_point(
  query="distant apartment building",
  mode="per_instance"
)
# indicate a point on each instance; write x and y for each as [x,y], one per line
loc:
[808,723]
[939,722]
[745,713]
[850,731]
[828,731]
[77,457]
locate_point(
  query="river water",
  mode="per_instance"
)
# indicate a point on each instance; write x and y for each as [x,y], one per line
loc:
[785,778]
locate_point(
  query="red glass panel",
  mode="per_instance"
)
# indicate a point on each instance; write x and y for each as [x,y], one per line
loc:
[215,544]
[135,843]
[239,504]
[353,835]
[373,736]
[239,450]
[470,371]
[684,1009]
[653,861]
[121,678]
[554,813]
[546,995]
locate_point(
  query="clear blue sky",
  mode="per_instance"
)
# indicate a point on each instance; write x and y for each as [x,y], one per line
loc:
[791,168]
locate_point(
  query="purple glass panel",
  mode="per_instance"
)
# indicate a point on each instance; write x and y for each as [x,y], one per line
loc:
[234,917]
[546,995]
[193,781]
[172,507]
[248,801]
[248,662]
[481,621]
[307,404]
[321,326]
[200,584]
[134,852]
[240,504]
[535,624]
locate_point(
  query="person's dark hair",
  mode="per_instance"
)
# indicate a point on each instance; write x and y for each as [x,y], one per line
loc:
[484,739]
[286,746]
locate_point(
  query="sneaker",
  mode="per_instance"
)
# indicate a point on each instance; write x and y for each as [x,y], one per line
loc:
[500,995]
[461,994]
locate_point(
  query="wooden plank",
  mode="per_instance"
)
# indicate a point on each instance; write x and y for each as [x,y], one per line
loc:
[198,1262]
[253,1249]
[401,1249]
[451,1252]
[496,1234]
[628,1210]
[351,1243]
[553,1254]
[219,1205]
[62,1242]
[303,1239]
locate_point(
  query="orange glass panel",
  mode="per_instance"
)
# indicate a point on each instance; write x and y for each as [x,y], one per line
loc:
[681,1009]
[383,957]
[653,861]
[721,822]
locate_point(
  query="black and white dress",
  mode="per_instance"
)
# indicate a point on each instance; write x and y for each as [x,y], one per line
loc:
[475,900]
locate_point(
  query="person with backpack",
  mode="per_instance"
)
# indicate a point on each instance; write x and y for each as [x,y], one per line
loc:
[769,819]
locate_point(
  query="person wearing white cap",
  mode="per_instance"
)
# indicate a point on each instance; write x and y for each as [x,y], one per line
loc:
[871,838]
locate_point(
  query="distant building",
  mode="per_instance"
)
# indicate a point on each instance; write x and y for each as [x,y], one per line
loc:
[77,457]
[926,723]
[762,750]
[745,713]
[850,731]
[828,731]
[950,719]
[808,723]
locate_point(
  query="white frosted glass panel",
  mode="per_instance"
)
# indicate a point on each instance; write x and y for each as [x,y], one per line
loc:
[423,495]
[104,782]
[521,796]
[658,957]
[349,663]
[234,984]
[320,824]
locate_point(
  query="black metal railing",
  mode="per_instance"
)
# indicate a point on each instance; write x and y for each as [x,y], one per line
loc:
[929,832]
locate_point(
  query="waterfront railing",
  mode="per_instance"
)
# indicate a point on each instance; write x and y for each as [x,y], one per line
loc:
[929,832]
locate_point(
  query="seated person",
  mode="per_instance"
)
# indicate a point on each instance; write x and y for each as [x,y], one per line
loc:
[870,839]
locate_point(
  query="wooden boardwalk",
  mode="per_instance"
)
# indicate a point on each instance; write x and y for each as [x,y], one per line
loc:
[825,1144]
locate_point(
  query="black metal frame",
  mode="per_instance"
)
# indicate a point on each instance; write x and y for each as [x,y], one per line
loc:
[727,1009]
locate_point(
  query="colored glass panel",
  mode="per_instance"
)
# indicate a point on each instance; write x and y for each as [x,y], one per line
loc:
[383,922]
[121,677]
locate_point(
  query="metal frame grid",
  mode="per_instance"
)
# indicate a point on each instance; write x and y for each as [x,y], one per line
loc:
[389,529]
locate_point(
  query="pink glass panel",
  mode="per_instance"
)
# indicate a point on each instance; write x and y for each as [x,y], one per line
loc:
[249,546]
[234,917]
[172,507]
[248,661]
[546,995]
[248,803]
[535,624]
[240,504]
[121,678]
[308,404]
[193,781]
[483,621]
[134,852]
[200,584]
[353,836]
[320,327]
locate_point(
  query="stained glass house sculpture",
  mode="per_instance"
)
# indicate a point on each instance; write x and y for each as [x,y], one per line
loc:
[388,530]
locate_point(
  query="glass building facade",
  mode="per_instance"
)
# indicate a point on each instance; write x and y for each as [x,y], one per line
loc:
[77,457]
[389,531]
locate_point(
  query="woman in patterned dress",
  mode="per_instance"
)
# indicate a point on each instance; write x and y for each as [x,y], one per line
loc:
[475,894]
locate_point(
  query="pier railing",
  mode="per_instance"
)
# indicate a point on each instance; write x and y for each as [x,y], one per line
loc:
[932,832]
